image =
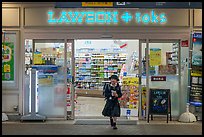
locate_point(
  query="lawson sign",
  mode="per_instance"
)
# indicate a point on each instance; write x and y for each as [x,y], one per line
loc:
[106,17]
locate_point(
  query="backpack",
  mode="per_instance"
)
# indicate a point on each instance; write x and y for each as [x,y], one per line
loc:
[104,88]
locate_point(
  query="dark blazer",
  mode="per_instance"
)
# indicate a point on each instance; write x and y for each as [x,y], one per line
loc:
[108,89]
[112,106]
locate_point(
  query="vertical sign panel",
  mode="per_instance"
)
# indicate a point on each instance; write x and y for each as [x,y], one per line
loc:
[7,61]
[195,96]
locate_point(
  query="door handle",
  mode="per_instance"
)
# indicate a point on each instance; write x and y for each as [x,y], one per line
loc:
[73,80]
[140,80]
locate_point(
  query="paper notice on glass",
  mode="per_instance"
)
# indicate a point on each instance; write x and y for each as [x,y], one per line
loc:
[155,57]
[37,58]
[194,80]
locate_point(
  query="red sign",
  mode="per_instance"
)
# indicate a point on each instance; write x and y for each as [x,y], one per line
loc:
[123,45]
[158,78]
[184,43]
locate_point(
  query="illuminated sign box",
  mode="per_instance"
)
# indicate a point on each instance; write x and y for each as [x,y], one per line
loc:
[106,17]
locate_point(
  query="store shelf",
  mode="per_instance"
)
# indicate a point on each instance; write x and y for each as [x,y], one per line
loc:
[105,81]
[110,64]
[97,64]
[93,58]
[100,64]
[82,56]
[96,55]
[111,58]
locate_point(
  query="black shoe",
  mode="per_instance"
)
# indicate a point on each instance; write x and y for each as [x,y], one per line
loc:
[114,126]
[111,122]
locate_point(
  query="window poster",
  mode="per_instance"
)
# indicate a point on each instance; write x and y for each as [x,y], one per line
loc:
[155,56]
[7,61]
[37,58]
[195,95]
[197,49]
[144,93]
[130,95]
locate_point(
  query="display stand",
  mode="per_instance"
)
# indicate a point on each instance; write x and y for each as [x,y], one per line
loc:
[33,115]
[160,103]
[195,85]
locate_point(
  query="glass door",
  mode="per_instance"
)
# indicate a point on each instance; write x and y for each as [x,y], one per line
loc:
[163,69]
[49,61]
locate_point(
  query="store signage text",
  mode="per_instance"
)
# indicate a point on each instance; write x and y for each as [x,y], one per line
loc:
[197,35]
[158,78]
[97,4]
[105,17]
[184,43]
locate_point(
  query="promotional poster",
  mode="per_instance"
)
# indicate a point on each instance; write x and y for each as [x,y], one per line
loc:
[7,61]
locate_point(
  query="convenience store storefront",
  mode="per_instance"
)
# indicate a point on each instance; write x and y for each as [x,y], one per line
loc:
[33,28]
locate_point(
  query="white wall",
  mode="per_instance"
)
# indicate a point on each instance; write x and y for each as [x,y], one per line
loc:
[98,44]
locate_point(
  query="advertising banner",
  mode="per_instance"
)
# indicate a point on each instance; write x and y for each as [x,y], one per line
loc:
[37,58]
[197,49]
[155,57]
[144,97]
[130,96]
[7,61]
[195,95]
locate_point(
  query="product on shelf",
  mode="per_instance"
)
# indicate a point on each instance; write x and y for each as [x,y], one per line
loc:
[95,68]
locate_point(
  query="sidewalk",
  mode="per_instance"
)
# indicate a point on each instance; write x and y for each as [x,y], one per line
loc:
[69,128]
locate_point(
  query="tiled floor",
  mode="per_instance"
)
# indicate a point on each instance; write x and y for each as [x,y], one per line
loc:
[57,128]
[89,106]
[92,107]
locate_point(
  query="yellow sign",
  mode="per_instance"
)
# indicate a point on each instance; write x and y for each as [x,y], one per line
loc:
[143,98]
[196,73]
[46,80]
[7,68]
[155,57]
[49,51]
[134,81]
[97,4]
[37,58]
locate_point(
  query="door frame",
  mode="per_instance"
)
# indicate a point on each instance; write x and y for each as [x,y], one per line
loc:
[127,33]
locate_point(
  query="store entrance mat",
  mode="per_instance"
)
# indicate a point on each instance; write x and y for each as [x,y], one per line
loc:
[104,122]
